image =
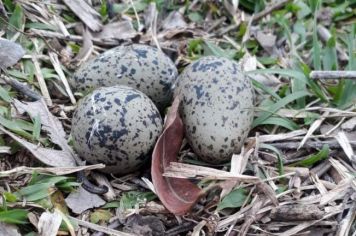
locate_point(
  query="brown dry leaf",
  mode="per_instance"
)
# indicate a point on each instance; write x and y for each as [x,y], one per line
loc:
[10,53]
[45,155]
[49,223]
[117,30]
[81,200]
[177,195]
[50,123]
[86,13]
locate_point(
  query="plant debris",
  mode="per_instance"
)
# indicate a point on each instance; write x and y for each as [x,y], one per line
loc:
[296,174]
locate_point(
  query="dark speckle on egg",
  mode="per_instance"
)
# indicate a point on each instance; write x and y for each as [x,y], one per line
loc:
[139,66]
[216,107]
[103,131]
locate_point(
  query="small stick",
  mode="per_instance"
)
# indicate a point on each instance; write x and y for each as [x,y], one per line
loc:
[333,74]
[99,228]
[309,144]
[74,38]
[23,88]
[268,10]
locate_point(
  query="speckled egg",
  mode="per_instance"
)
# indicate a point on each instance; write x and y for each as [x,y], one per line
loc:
[216,107]
[116,126]
[139,66]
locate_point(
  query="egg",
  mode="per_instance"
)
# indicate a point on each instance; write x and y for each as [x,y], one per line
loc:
[117,126]
[142,67]
[216,107]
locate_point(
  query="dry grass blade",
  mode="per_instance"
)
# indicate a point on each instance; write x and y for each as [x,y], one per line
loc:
[5,149]
[278,137]
[50,123]
[181,170]
[99,228]
[41,81]
[251,215]
[346,223]
[316,124]
[305,225]
[345,144]
[47,156]
[338,192]
[49,170]
[238,165]
[86,49]
[86,13]
[57,67]
[342,170]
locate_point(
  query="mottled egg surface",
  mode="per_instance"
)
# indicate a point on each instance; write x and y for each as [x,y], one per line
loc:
[216,107]
[139,66]
[116,126]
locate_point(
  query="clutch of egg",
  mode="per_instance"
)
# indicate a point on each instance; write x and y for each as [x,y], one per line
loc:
[117,126]
[216,107]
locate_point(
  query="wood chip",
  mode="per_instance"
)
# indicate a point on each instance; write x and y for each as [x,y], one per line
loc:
[296,213]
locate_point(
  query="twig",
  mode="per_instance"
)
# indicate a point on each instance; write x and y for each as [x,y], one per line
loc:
[112,225]
[74,38]
[23,88]
[51,170]
[256,17]
[333,74]
[99,228]
[268,10]
[216,24]
[186,226]
[310,144]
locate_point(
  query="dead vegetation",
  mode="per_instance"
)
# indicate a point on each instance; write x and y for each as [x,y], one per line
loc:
[296,174]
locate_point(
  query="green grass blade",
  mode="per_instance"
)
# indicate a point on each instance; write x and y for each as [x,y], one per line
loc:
[283,122]
[279,156]
[265,89]
[5,95]
[296,75]
[278,105]
[15,216]
[312,159]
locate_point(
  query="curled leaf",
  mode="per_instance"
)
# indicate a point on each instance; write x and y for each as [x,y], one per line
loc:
[177,195]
